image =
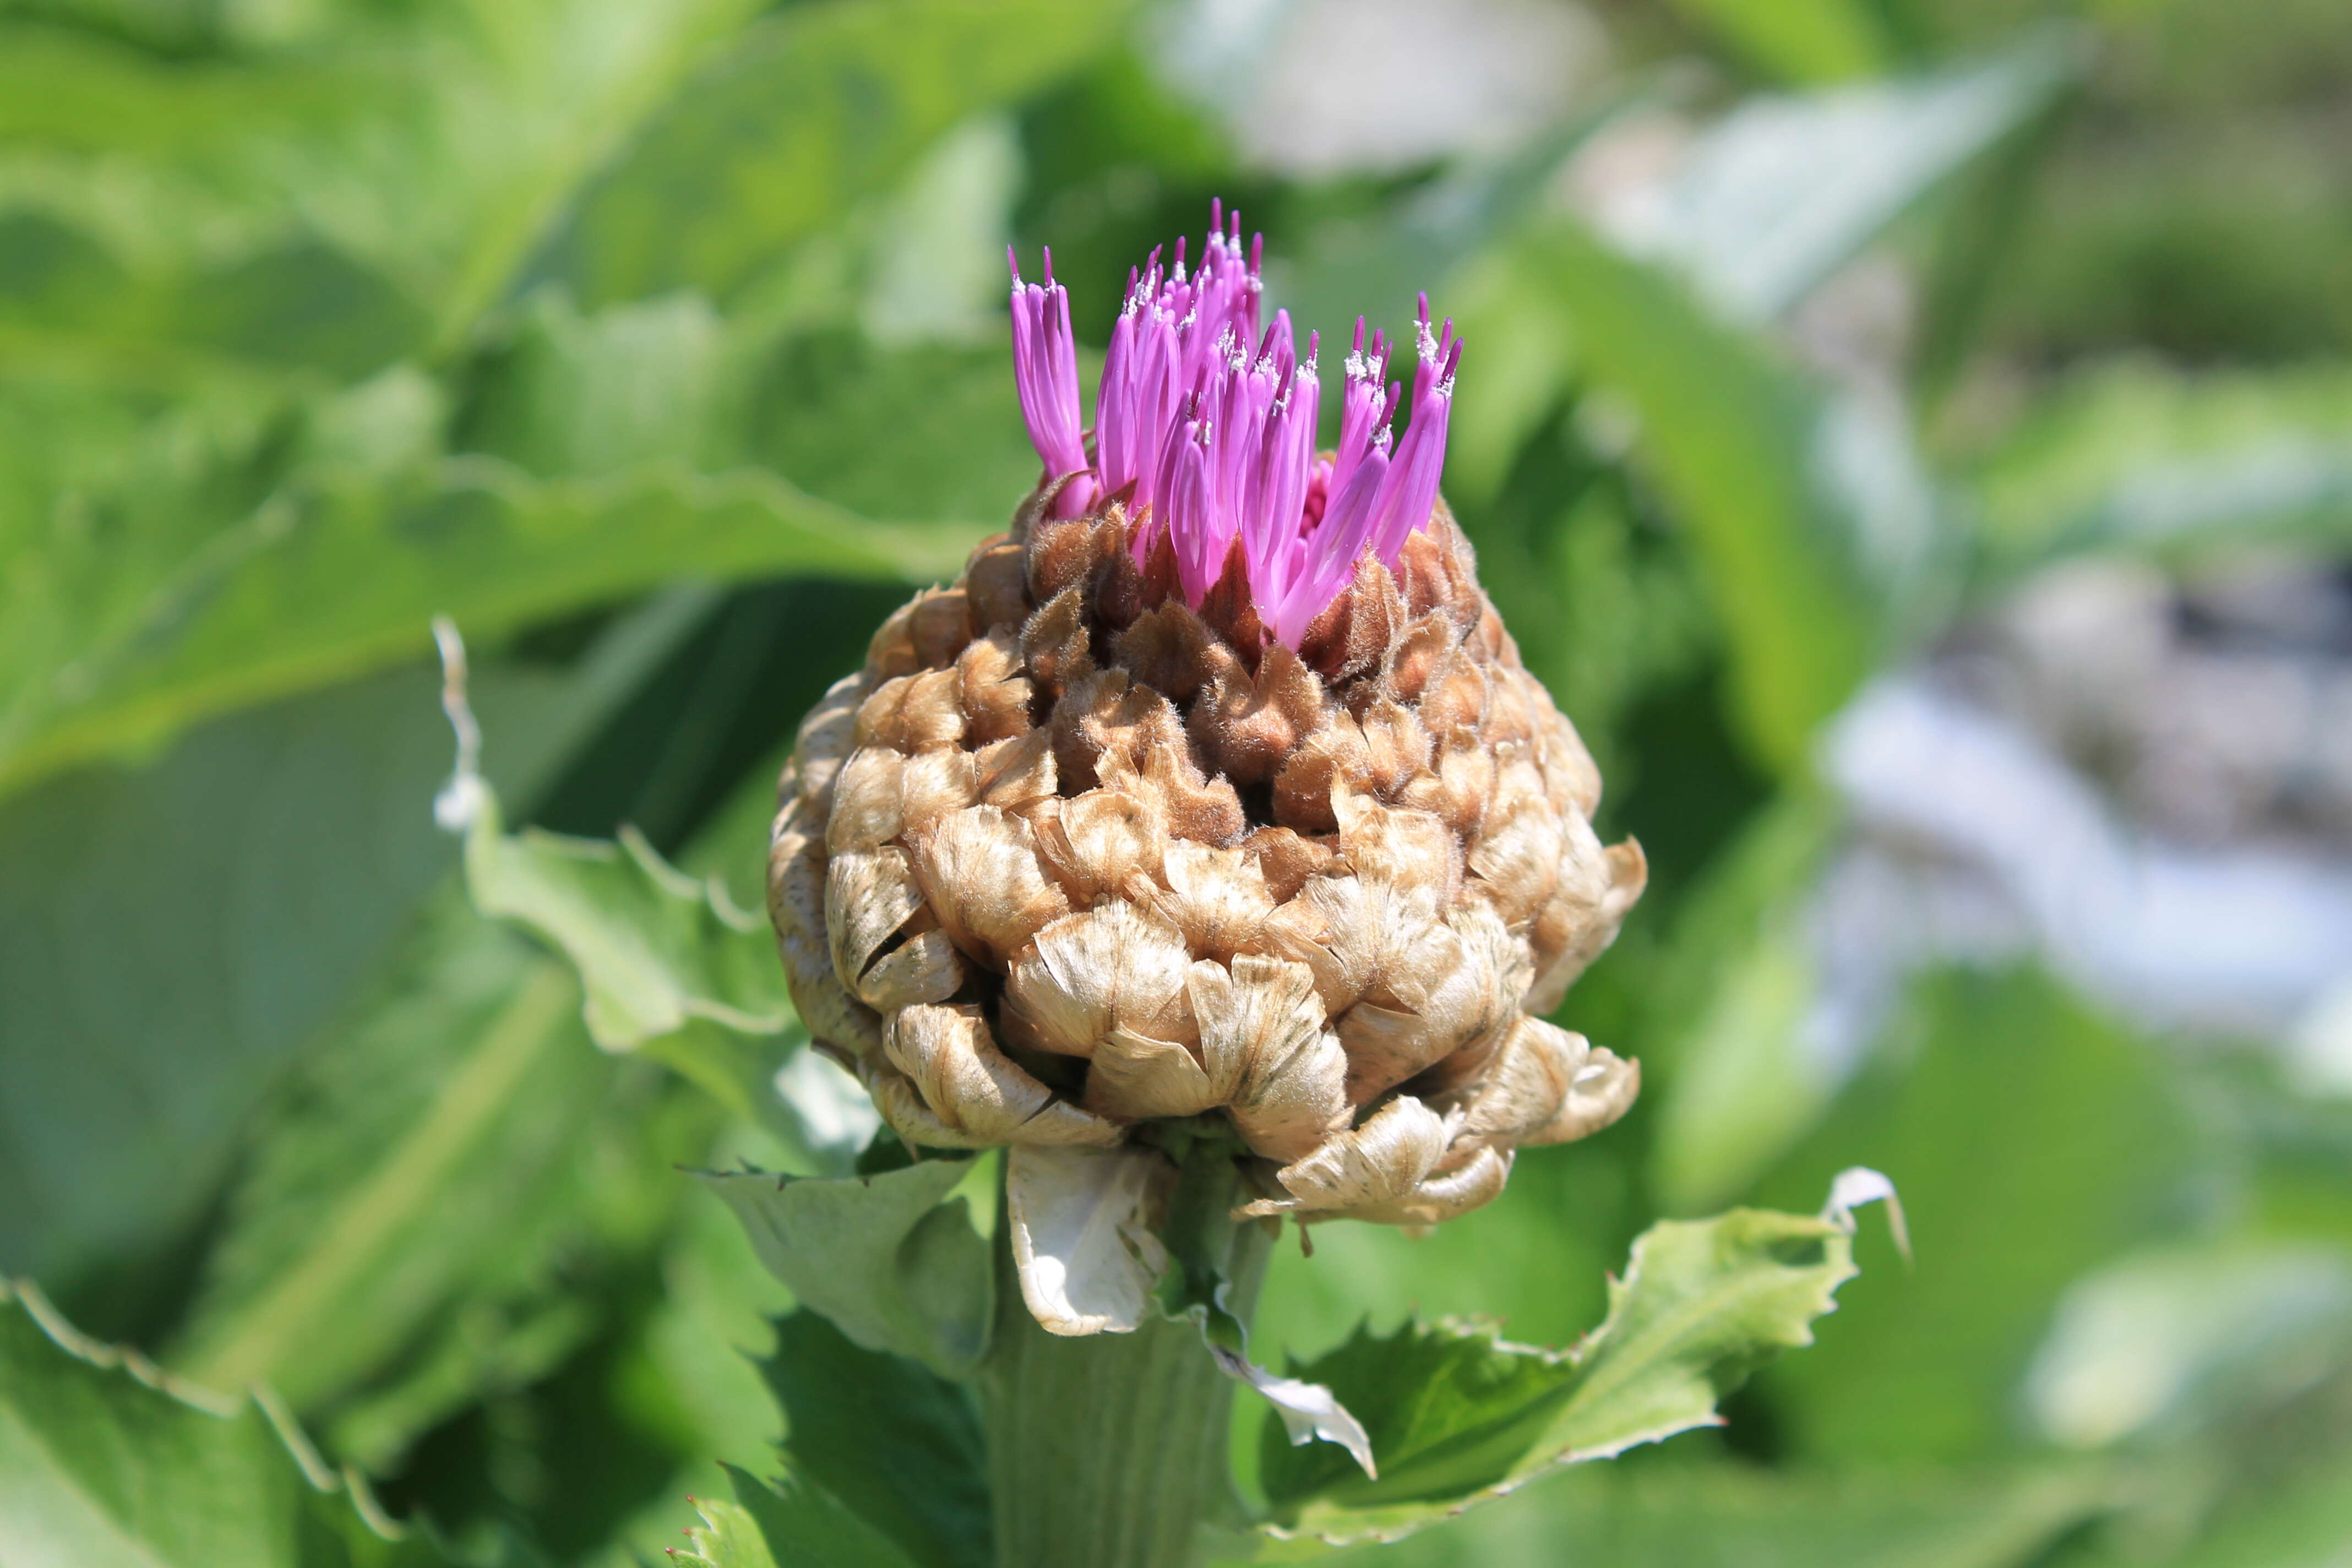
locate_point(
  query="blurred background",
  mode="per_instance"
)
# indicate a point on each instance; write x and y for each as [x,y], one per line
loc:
[1912,439]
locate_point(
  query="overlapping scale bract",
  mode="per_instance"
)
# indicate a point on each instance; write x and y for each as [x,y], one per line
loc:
[1069,855]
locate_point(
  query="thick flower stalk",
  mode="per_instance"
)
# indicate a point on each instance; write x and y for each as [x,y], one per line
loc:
[1214,787]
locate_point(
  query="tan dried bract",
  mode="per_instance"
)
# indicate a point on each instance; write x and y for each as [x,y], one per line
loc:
[1069,857]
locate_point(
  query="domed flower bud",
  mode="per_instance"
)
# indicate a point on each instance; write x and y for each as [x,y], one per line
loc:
[1214,785]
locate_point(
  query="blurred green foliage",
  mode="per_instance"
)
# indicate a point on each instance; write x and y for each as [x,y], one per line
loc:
[659,345]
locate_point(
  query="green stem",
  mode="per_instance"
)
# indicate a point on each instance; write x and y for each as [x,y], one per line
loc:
[1110,1452]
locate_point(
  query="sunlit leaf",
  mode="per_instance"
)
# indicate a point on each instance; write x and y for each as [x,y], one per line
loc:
[1781,191]
[895,1267]
[330,580]
[106,1464]
[2182,1336]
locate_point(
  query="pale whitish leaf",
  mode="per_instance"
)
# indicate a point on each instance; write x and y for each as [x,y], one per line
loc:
[1081,1241]
[836,1117]
[105,1463]
[782,1523]
[1307,1411]
[895,1267]
[1777,195]
[2177,1336]
[1457,1415]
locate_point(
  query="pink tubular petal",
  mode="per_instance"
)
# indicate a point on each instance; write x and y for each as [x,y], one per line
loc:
[1206,421]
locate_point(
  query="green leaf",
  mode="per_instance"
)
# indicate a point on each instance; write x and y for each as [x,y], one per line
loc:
[2133,455]
[2301,1524]
[1802,40]
[104,1463]
[808,110]
[773,1524]
[669,966]
[898,1446]
[887,1258]
[1733,441]
[1458,1416]
[923,431]
[2033,1139]
[567,396]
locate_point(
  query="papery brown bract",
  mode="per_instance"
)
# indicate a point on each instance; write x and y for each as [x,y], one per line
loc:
[1068,856]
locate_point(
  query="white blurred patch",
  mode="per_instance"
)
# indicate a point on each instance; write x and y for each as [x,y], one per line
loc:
[1965,815]
[2319,1048]
[1319,88]
[836,1116]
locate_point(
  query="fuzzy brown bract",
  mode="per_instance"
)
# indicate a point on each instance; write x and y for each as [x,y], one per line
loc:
[1067,856]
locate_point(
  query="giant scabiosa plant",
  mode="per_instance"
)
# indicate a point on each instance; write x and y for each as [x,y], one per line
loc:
[1213,784]
[1206,843]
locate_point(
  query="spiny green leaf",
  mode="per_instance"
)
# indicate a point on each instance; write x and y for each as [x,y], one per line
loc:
[105,1463]
[1458,1416]
[806,110]
[784,1522]
[894,1266]
[898,1446]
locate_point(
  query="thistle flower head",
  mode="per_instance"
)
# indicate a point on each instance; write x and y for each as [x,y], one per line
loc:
[1213,787]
